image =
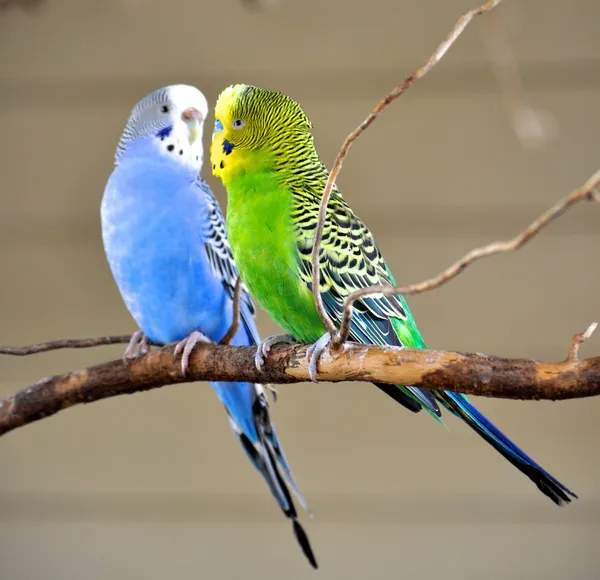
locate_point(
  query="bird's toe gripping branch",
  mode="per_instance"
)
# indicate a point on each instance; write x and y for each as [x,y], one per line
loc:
[264,348]
[314,352]
[139,345]
[187,345]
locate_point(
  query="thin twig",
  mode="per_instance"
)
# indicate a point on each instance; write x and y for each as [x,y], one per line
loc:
[24,4]
[118,339]
[532,127]
[585,193]
[259,4]
[235,323]
[474,374]
[65,343]
[578,340]
[441,50]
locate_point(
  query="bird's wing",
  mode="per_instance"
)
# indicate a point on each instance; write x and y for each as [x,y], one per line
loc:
[349,260]
[221,260]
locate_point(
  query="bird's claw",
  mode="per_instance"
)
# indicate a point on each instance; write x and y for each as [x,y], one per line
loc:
[187,345]
[138,345]
[264,347]
[313,354]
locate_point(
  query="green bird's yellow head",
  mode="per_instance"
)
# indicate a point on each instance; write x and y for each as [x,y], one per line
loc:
[254,127]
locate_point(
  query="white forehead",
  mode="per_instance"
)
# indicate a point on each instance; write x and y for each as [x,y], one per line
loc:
[178,97]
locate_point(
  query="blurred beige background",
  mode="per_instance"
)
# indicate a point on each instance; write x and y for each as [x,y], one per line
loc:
[154,486]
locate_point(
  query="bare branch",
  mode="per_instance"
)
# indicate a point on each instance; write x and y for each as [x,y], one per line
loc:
[439,53]
[235,322]
[117,339]
[259,4]
[585,193]
[474,374]
[578,340]
[531,126]
[66,343]
[24,4]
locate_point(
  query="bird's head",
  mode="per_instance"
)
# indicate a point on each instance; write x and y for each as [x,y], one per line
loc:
[173,119]
[253,122]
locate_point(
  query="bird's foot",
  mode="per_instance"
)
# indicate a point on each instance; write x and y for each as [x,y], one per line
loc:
[138,345]
[264,348]
[313,354]
[187,345]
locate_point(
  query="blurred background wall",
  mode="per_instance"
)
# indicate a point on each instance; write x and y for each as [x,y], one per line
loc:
[154,486]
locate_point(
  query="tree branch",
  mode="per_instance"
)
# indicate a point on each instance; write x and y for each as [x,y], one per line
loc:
[474,374]
[578,340]
[116,339]
[24,4]
[587,192]
[235,321]
[65,343]
[399,90]
[531,126]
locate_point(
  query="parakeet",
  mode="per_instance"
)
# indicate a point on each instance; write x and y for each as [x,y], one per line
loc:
[263,151]
[164,237]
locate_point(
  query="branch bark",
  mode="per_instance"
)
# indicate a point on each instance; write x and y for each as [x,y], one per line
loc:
[474,374]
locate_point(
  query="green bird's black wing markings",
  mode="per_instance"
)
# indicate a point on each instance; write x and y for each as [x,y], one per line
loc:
[349,260]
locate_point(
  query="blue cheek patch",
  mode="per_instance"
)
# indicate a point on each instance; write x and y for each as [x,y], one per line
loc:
[218,127]
[163,133]
[227,146]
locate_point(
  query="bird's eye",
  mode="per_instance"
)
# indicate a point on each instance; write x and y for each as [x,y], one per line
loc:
[164,109]
[237,124]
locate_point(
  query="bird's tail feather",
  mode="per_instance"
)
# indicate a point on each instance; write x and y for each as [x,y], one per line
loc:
[460,406]
[266,454]
[284,468]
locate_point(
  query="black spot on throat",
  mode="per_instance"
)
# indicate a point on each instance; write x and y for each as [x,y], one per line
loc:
[227,147]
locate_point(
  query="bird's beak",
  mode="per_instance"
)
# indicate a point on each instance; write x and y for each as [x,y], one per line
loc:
[193,114]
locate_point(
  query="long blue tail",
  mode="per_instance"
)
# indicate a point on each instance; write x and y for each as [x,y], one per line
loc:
[460,406]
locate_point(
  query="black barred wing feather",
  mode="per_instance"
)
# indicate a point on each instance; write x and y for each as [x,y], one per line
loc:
[220,256]
[349,260]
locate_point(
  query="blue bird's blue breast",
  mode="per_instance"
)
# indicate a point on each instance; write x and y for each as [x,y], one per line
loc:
[153,223]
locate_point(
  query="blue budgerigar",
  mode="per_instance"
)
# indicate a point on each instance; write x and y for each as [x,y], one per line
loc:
[164,237]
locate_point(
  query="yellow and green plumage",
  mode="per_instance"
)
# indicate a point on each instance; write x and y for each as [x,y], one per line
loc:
[263,151]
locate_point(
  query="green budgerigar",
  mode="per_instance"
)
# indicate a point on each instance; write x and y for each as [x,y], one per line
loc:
[263,151]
